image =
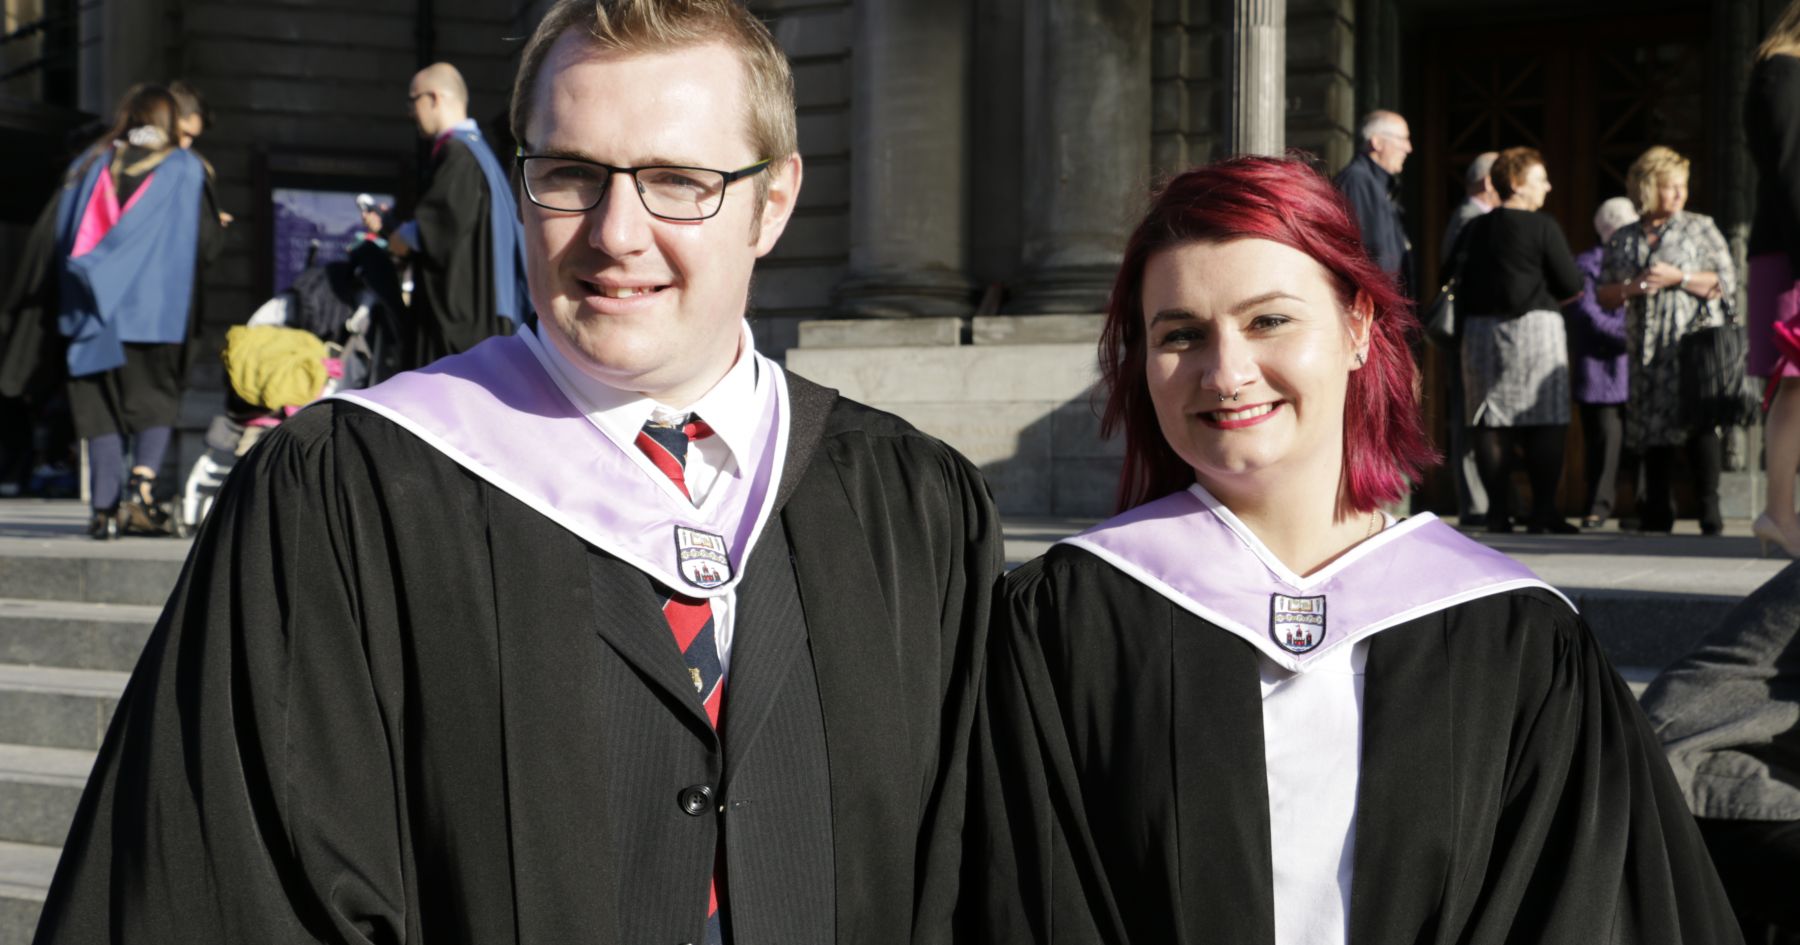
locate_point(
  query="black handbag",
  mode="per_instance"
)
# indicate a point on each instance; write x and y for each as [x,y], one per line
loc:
[1715,390]
[1442,327]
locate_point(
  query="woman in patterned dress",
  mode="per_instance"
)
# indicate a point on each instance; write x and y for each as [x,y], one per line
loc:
[1674,271]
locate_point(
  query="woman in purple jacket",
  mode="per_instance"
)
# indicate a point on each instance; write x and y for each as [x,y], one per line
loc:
[1597,366]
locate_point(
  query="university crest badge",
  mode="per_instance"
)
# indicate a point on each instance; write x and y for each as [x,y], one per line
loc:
[702,557]
[1297,623]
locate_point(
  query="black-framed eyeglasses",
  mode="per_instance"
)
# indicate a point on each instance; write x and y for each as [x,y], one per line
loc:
[668,191]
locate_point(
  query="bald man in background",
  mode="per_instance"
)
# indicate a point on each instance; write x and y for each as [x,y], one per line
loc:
[464,239]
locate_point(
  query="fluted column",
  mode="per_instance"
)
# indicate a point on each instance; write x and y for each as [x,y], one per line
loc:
[908,184]
[1087,148]
[1257,69]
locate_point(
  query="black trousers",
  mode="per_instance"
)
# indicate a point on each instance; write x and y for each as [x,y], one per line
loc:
[1656,508]
[1759,862]
[1602,433]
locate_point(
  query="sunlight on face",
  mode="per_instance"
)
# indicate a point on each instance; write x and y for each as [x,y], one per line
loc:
[1671,193]
[1535,186]
[638,302]
[1248,357]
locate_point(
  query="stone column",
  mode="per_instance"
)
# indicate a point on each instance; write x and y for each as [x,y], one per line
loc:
[1257,68]
[909,155]
[1087,148]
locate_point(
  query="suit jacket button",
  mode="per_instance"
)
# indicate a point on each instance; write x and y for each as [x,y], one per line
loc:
[696,800]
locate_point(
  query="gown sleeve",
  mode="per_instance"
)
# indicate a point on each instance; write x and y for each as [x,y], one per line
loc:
[1592,841]
[450,209]
[246,790]
[1036,877]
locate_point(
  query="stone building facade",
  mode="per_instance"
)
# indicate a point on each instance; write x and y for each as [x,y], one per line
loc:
[972,166]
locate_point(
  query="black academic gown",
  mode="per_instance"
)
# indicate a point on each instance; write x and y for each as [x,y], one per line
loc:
[453,304]
[388,702]
[1510,789]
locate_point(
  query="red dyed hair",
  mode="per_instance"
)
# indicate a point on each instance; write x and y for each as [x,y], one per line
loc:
[1286,201]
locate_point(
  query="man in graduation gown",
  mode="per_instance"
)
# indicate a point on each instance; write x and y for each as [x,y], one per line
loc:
[479,656]
[464,239]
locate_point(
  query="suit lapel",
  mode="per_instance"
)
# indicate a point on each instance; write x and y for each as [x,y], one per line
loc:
[1405,811]
[769,645]
[628,616]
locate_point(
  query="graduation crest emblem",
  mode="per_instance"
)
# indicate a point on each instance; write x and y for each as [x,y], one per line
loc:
[1297,623]
[702,557]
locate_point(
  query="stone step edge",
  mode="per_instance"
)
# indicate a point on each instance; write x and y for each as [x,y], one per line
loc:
[26,870]
[53,767]
[35,609]
[56,680]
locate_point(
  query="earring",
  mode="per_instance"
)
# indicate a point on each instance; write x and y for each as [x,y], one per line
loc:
[1359,359]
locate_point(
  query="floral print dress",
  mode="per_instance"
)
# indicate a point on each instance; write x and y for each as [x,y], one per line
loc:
[1655,324]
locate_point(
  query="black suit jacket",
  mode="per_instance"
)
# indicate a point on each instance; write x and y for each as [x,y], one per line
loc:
[389,702]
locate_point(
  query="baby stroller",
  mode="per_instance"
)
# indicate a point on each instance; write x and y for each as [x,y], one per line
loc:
[327,332]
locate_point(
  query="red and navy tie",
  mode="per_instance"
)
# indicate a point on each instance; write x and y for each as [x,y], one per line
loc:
[690,618]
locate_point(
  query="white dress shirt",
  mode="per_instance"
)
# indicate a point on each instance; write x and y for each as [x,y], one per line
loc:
[733,408]
[1312,747]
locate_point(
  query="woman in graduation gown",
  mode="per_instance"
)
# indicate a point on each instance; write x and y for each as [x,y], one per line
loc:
[1252,707]
[134,218]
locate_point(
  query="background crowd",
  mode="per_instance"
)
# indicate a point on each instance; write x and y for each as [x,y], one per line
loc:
[1640,334]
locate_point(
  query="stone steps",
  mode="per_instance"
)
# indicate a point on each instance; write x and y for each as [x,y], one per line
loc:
[25,872]
[86,576]
[55,707]
[39,790]
[74,617]
[73,635]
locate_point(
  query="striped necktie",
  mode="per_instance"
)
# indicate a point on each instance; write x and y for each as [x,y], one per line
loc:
[690,618]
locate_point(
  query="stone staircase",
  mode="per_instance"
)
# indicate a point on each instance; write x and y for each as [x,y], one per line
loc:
[74,615]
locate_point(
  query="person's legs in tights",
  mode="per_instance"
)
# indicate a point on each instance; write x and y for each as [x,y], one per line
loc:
[1544,446]
[1491,453]
[1656,507]
[148,449]
[106,470]
[1602,433]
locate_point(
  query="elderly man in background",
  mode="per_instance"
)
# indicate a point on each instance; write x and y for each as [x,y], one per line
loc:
[1481,198]
[1368,181]
[464,239]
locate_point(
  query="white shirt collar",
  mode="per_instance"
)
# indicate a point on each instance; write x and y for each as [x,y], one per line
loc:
[733,407]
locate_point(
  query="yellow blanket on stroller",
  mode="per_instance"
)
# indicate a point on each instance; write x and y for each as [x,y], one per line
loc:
[274,367]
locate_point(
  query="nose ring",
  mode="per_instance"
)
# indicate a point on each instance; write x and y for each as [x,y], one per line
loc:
[1233,398]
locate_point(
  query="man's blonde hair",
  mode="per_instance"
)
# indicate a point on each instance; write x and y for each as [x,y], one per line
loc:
[1648,171]
[660,25]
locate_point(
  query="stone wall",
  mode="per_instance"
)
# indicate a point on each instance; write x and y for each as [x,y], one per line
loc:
[796,281]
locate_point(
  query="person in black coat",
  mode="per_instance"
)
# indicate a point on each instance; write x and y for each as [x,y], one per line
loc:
[1515,347]
[1370,183]
[1252,707]
[463,241]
